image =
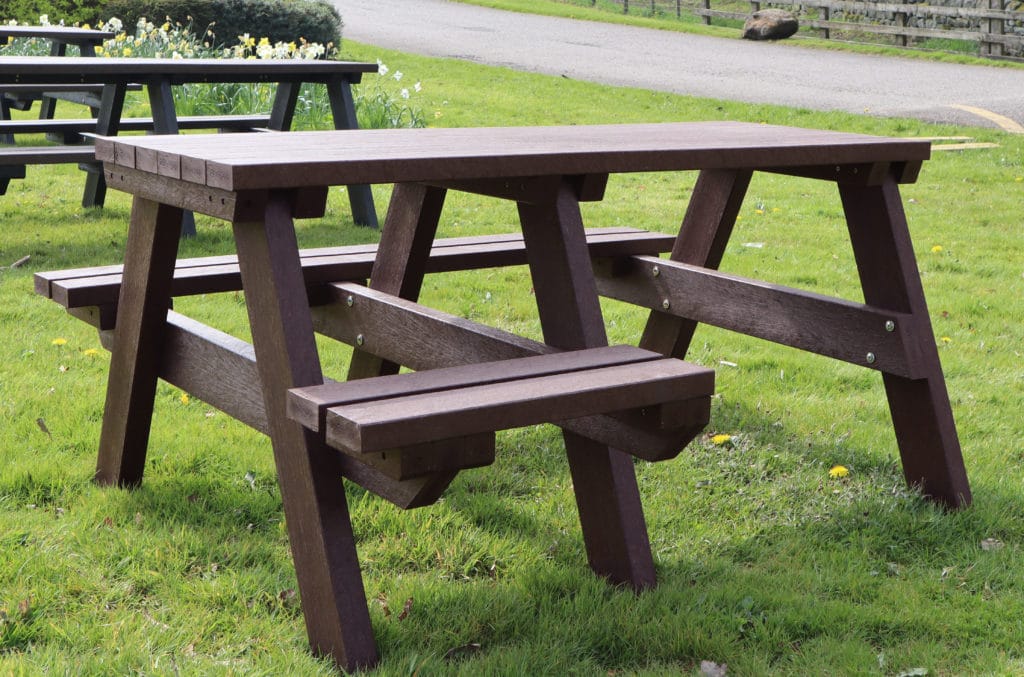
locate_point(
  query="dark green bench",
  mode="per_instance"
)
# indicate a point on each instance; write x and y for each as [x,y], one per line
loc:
[71,130]
[13,160]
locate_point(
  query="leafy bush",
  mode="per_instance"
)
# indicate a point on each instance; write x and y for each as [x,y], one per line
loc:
[70,11]
[312,20]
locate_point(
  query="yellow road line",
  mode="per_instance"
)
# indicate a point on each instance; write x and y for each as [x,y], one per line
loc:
[1004,123]
[962,146]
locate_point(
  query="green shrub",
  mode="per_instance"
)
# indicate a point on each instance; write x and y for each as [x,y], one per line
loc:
[68,11]
[312,20]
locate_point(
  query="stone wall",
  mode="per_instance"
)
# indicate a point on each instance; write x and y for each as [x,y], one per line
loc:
[952,23]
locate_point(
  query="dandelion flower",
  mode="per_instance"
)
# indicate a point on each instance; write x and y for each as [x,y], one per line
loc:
[759,211]
[59,341]
[936,249]
[720,438]
[838,472]
[946,339]
[90,352]
[184,398]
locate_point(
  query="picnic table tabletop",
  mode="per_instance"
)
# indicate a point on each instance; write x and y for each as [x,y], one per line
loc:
[72,34]
[46,69]
[385,156]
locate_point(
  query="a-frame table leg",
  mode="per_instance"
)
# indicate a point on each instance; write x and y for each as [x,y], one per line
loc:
[138,337]
[309,473]
[607,496]
[921,412]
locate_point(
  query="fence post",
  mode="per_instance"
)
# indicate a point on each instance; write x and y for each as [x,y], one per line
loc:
[679,8]
[706,18]
[826,14]
[991,27]
[625,7]
[901,21]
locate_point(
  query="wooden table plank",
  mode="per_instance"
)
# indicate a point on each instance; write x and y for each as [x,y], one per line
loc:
[69,34]
[401,155]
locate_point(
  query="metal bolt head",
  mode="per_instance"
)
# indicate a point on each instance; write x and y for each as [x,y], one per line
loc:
[870,358]
[655,271]
[666,304]
[890,325]
[360,340]
[350,300]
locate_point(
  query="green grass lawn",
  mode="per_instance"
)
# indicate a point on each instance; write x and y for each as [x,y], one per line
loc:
[765,563]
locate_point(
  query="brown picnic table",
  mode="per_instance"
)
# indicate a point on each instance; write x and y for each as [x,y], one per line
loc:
[117,75]
[405,436]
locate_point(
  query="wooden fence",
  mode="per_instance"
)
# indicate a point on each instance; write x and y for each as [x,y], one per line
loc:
[991,26]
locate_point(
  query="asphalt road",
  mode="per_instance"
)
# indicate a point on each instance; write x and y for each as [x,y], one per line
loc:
[730,69]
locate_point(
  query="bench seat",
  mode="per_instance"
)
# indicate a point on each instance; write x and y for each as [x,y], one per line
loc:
[99,286]
[72,128]
[22,96]
[14,159]
[453,412]
[19,156]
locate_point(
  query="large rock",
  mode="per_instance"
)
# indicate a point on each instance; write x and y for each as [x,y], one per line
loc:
[770,24]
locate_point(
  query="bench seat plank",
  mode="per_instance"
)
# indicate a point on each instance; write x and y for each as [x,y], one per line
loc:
[98,286]
[45,155]
[415,419]
[308,405]
[143,124]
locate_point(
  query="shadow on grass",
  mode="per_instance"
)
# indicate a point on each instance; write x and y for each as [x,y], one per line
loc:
[500,563]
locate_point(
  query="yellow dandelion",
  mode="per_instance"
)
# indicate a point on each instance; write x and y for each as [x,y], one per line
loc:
[184,398]
[437,114]
[838,472]
[1019,179]
[59,341]
[946,339]
[775,210]
[90,352]
[720,438]
[936,249]
[759,211]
